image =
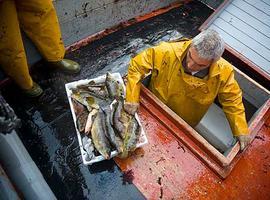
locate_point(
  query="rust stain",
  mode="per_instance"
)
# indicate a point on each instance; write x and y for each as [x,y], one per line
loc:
[160,160]
[161,193]
[128,177]
[167,171]
[259,137]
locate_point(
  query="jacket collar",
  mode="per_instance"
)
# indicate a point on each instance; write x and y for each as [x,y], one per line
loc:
[180,49]
[214,69]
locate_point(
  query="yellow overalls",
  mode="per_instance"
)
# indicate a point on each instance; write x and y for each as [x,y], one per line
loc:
[38,20]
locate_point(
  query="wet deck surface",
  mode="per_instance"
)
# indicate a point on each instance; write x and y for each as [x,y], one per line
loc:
[48,131]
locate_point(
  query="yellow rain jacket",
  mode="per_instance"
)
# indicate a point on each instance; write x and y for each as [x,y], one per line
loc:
[38,20]
[187,95]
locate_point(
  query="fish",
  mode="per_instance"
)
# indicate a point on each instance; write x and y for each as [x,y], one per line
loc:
[76,90]
[92,102]
[78,107]
[114,87]
[132,134]
[117,124]
[81,114]
[124,117]
[92,83]
[88,147]
[99,92]
[89,121]
[114,138]
[81,98]
[85,99]
[98,134]
[81,120]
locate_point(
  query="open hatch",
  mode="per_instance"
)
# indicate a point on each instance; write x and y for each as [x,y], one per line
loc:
[212,140]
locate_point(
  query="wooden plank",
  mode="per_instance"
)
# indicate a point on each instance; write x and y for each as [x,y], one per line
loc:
[260,5]
[244,38]
[266,2]
[249,19]
[250,54]
[261,16]
[246,28]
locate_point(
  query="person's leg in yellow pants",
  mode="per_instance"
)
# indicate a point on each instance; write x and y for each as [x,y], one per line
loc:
[12,54]
[39,21]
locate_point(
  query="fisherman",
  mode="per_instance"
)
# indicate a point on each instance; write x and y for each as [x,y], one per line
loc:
[187,76]
[39,21]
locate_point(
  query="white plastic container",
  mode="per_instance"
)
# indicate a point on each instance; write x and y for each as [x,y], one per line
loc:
[142,140]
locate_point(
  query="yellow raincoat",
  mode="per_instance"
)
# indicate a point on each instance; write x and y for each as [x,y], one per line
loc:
[38,20]
[187,95]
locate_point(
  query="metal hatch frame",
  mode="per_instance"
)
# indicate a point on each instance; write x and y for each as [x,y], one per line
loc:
[220,164]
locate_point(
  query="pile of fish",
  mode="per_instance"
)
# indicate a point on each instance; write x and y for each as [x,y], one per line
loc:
[101,120]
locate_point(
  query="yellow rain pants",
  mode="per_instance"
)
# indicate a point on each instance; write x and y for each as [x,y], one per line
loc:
[38,20]
[187,95]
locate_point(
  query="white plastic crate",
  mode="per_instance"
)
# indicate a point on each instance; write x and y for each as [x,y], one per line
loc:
[142,140]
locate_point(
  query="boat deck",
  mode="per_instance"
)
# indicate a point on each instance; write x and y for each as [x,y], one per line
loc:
[166,168]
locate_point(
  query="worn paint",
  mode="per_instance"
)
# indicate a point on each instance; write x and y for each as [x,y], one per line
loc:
[164,160]
[183,174]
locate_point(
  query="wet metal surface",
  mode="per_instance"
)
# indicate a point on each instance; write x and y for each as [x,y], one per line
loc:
[169,168]
[48,131]
[165,167]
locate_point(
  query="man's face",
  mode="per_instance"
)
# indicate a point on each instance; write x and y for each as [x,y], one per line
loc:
[194,62]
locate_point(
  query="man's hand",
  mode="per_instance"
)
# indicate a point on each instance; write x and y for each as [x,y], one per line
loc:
[131,108]
[244,141]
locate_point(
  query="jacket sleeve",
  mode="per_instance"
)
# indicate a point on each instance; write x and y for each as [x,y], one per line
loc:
[139,66]
[230,97]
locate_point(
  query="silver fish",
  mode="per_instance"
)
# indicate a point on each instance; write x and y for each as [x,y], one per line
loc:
[96,84]
[114,87]
[81,98]
[98,133]
[118,125]
[114,138]
[99,92]
[132,134]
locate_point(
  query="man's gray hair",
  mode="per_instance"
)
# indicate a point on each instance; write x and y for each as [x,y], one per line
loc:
[208,44]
